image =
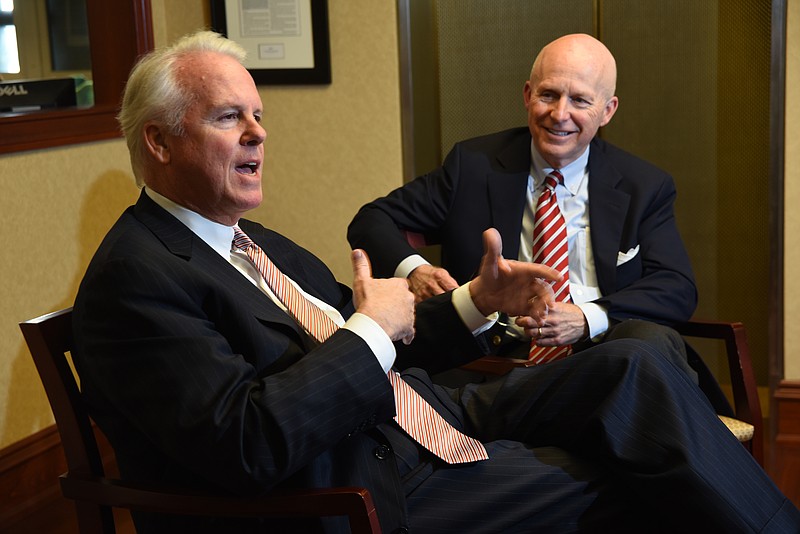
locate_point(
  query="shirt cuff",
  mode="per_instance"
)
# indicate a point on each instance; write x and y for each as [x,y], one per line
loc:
[470,315]
[408,265]
[596,319]
[380,343]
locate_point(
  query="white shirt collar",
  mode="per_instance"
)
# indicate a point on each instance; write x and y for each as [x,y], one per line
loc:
[216,235]
[573,173]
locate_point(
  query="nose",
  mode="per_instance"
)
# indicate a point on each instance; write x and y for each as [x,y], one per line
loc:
[560,109]
[254,134]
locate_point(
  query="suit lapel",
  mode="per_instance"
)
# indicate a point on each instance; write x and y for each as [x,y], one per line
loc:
[182,242]
[506,192]
[608,207]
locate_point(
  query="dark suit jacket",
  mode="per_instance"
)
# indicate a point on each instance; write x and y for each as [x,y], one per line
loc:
[199,379]
[482,184]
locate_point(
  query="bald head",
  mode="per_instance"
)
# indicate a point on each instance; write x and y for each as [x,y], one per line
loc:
[569,96]
[579,54]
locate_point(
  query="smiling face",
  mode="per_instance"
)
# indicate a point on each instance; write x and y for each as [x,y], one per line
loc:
[213,167]
[569,97]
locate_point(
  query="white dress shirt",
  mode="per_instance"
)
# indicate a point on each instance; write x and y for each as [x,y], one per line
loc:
[220,237]
[573,201]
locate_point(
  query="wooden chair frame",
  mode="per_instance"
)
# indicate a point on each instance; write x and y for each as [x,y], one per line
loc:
[49,338]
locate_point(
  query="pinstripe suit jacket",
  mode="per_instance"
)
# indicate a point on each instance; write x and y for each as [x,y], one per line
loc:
[197,378]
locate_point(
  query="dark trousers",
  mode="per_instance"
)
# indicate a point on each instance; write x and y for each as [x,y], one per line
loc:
[615,438]
[666,342]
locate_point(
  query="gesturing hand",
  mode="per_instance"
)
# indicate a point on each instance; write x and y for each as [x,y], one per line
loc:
[427,281]
[388,302]
[513,287]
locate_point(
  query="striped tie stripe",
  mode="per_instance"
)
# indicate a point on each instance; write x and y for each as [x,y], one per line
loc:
[312,318]
[414,415]
[550,248]
[428,428]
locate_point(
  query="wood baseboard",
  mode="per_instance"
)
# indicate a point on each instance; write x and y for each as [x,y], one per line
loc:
[786,449]
[29,471]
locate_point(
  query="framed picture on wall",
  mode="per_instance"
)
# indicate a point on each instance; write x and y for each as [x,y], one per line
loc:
[287,41]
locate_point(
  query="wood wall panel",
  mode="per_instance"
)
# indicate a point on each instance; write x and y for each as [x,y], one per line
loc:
[29,471]
[786,450]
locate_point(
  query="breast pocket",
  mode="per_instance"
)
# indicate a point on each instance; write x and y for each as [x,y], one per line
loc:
[629,267]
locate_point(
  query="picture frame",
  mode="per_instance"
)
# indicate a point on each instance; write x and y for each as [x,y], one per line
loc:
[287,41]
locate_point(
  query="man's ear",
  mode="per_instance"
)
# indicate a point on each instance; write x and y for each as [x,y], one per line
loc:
[527,90]
[609,110]
[156,143]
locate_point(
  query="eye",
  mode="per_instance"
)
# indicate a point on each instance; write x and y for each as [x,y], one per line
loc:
[581,102]
[231,116]
[547,96]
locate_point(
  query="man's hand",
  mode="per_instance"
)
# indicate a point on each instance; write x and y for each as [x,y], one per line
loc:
[565,325]
[513,287]
[427,281]
[388,302]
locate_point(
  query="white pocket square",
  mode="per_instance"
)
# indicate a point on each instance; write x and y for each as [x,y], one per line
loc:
[625,257]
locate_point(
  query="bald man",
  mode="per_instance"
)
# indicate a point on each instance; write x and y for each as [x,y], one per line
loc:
[629,272]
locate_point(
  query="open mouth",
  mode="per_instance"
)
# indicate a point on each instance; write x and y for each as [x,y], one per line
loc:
[250,167]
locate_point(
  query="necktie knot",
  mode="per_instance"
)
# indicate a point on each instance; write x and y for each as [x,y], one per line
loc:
[552,180]
[240,239]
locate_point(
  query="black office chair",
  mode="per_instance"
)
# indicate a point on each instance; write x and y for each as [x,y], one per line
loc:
[49,338]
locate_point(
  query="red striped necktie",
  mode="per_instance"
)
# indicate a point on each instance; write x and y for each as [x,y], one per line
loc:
[414,415]
[550,248]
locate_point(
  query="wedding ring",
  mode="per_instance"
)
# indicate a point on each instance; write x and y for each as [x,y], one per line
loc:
[540,331]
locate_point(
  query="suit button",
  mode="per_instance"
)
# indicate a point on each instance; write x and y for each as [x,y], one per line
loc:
[401,530]
[496,340]
[382,452]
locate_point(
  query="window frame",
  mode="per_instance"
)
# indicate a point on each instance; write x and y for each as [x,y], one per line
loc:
[118,34]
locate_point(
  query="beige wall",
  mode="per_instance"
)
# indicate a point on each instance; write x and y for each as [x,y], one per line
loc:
[330,149]
[792,195]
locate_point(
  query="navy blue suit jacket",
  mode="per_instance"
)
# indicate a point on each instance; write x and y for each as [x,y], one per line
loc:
[482,184]
[199,379]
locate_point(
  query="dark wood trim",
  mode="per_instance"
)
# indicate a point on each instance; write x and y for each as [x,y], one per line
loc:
[29,471]
[786,449]
[119,33]
[776,208]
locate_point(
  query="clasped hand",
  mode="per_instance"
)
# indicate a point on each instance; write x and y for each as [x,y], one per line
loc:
[514,287]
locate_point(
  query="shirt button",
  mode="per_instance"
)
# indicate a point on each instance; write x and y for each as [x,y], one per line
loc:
[496,340]
[382,452]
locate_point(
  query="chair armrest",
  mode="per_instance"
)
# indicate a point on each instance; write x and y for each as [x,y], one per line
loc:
[354,502]
[745,392]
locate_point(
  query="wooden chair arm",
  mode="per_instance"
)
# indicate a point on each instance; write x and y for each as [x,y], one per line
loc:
[747,405]
[354,502]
